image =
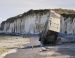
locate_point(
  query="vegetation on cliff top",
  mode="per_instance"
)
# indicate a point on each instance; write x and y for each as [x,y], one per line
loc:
[64,11]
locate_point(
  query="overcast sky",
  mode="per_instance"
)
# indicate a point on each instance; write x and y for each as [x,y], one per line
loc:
[9,8]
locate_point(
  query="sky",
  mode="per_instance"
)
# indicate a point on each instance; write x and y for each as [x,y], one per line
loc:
[10,8]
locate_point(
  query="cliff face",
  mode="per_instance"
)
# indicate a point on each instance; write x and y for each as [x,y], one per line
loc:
[33,21]
[67,20]
[68,24]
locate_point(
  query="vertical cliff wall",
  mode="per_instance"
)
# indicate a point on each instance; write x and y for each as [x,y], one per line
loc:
[68,23]
[31,22]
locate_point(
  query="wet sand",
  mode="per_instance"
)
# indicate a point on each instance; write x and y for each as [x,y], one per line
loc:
[59,51]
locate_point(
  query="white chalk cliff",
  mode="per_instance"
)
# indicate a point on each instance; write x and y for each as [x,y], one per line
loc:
[33,22]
